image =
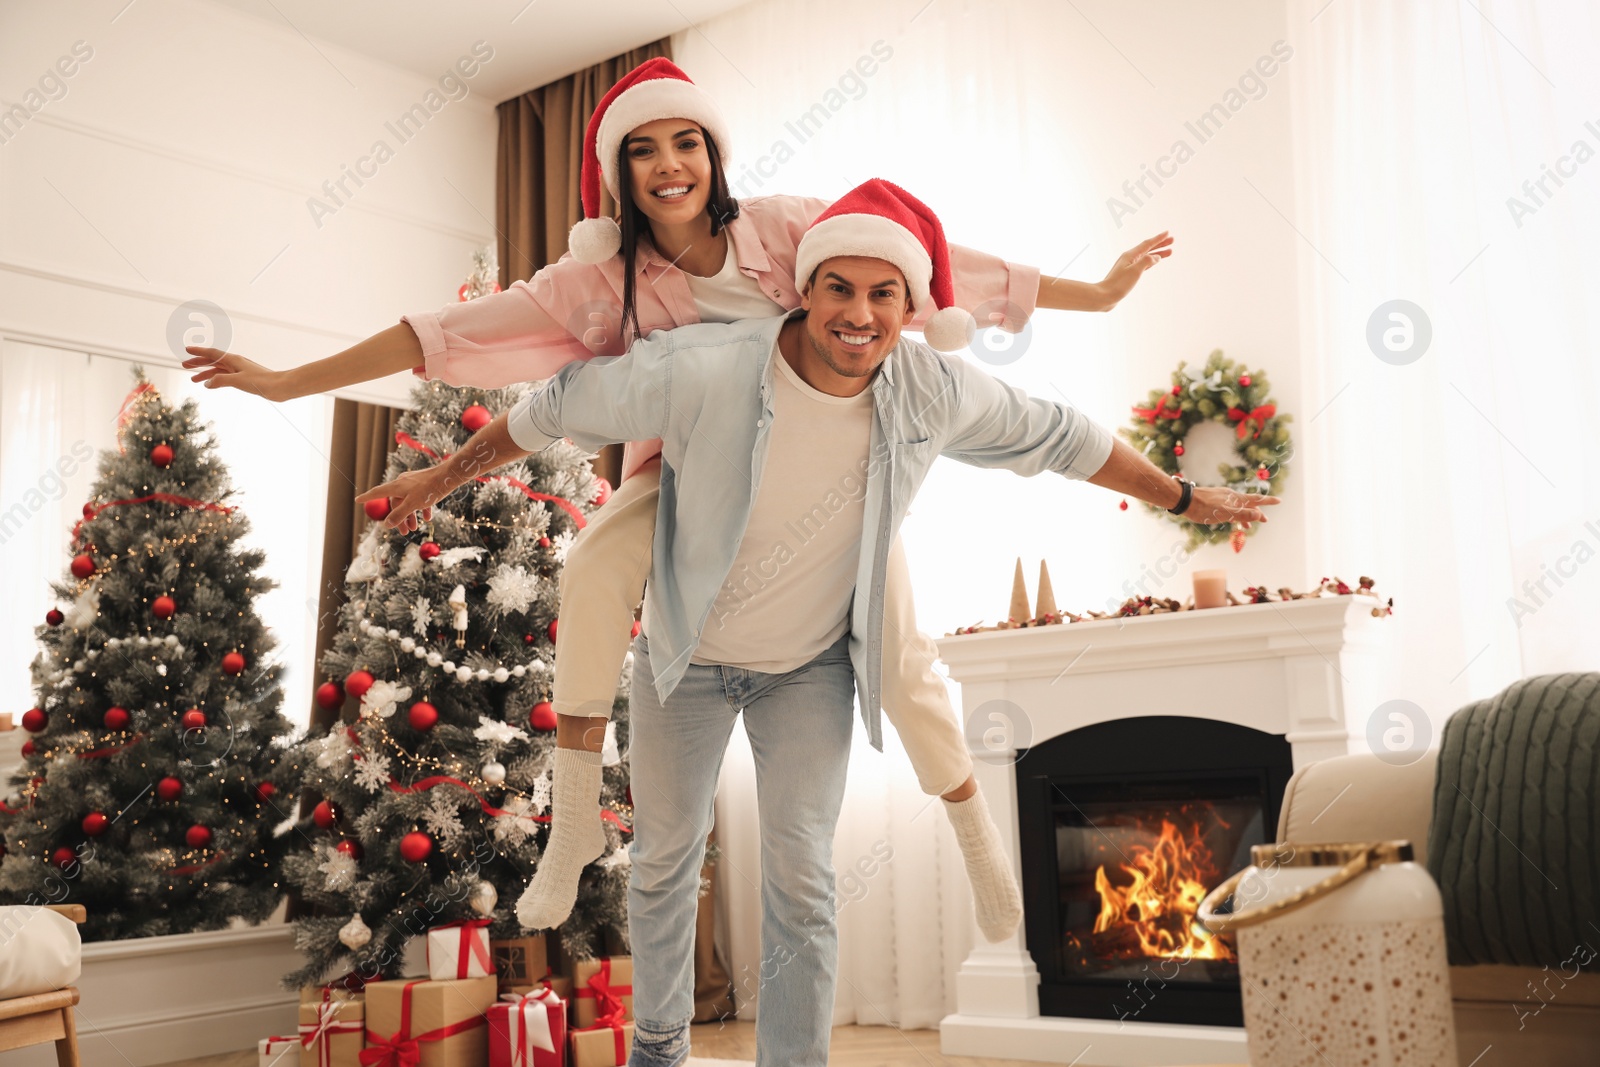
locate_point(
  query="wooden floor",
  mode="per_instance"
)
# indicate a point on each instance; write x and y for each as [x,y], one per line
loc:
[853,1046]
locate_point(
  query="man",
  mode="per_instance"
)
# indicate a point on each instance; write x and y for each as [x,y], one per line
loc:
[792,448]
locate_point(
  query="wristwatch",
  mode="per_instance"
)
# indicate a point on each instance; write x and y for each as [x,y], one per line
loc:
[1188,495]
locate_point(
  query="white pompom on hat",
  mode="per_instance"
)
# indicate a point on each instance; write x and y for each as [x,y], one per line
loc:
[880,220]
[655,89]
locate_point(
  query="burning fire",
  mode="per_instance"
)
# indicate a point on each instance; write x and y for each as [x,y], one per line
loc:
[1154,915]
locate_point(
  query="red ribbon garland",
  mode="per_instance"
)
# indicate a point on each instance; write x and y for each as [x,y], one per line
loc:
[401,437]
[400,1049]
[102,753]
[1159,411]
[165,498]
[195,867]
[1259,416]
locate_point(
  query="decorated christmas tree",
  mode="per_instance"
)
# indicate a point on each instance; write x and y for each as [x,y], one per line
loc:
[436,781]
[153,771]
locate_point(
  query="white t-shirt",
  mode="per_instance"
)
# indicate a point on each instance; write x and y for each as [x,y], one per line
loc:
[788,595]
[730,295]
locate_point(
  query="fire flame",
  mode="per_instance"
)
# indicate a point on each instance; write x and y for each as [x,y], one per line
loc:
[1169,882]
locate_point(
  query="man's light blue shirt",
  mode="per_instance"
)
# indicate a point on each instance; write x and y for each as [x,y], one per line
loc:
[706,391]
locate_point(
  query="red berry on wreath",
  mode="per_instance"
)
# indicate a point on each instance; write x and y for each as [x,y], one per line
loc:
[29,748]
[169,788]
[1123,506]
[193,719]
[416,847]
[63,857]
[1177,390]
[551,630]
[164,607]
[422,715]
[197,836]
[544,542]
[116,719]
[543,716]
[34,720]
[53,617]
[1244,380]
[326,814]
[265,791]
[95,823]
[603,492]
[476,418]
[356,683]
[82,565]
[161,455]
[377,509]
[233,663]
[349,848]
[428,550]
[330,695]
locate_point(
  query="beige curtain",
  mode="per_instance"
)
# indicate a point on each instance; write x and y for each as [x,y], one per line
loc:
[536,180]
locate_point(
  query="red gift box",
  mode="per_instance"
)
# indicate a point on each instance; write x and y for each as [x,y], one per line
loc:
[528,1030]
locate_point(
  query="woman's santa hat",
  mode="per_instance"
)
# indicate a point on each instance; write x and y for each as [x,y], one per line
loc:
[880,220]
[655,89]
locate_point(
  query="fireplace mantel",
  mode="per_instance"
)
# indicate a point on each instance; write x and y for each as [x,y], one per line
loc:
[1302,669]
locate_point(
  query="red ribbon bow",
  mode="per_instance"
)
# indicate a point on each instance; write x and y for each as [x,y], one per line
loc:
[400,1049]
[613,1013]
[1259,416]
[1159,411]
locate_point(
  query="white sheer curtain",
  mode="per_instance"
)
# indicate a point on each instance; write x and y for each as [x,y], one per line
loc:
[57,406]
[1466,476]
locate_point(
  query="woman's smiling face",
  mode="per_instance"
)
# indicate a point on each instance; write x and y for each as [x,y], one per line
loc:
[669,170]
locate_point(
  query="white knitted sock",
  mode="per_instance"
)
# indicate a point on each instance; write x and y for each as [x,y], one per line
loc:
[576,839]
[995,897]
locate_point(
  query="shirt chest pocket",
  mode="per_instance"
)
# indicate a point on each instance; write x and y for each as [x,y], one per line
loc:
[911,462]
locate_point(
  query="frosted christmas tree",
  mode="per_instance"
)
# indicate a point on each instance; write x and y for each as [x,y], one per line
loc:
[154,775]
[436,781]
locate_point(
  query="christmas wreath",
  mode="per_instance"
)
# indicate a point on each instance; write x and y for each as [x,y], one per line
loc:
[1221,392]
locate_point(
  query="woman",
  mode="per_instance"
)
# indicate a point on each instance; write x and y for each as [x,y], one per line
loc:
[685,251]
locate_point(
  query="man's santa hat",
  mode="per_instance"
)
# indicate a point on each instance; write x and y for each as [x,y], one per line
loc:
[880,220]
[655,89]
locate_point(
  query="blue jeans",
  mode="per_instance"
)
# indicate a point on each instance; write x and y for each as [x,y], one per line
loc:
[799,725]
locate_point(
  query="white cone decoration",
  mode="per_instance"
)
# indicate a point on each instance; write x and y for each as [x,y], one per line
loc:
[484,898]
[595,240]
[950,329]
[355,934]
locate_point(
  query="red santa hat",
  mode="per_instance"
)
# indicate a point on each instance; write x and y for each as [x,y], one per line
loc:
[655,89]
[881,220]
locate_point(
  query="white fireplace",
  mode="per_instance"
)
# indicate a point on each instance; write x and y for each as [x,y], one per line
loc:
[1302,670]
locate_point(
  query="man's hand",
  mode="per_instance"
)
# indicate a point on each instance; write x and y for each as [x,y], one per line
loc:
[225,370]
[412,492]
[1214,505]
[1131,265]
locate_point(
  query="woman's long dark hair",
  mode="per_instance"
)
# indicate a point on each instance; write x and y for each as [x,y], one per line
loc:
[720,205]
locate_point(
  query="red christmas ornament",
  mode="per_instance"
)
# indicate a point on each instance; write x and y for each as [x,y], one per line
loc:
[544,542]
[476,418]
[543,716]
[326,814]
[1236,539]
[1262,474]
[552,630]
[378,509]
[88,510]
[1244,380]
[265,791]
[82,565]
[416,847]
[34,720]
[63,857]
[116,718]
[1123,506]
[161,455]
[464,293]
[349,848]
[422,715]
[527,639]
[428,550]
[1177,390]
[197,836]
[636,628]
[1177,449]
[95,823]
[29,748]
[193,719]
[164,607]
[233,663]
[169,788]
[603,493]
[330,695]
[53,617]
[356,683]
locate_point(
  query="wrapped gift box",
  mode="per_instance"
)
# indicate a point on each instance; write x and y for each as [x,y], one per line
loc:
[558,982]
[600,988]
[520,961]
[459,950]
[602,1046]
[278,1052]
[322,994]
[528,1030]
[333,1032]
[441,1023]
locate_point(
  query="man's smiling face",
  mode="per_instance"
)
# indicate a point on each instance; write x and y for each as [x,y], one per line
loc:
[855,309]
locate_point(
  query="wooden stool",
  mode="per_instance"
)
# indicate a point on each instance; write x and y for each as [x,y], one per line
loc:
[32,1020]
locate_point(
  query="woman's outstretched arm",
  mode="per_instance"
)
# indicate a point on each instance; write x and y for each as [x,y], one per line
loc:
[387,352]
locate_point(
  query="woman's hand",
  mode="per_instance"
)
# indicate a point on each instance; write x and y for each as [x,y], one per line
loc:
[225,370]
[1213,505]
[1131,265]
[408,494]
